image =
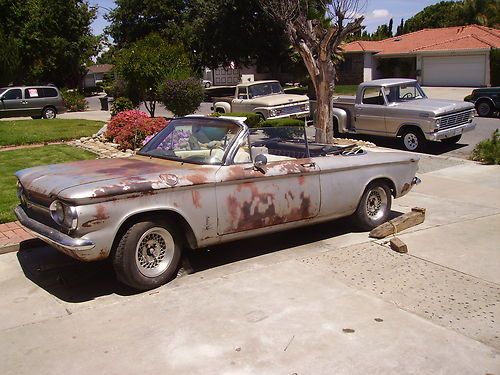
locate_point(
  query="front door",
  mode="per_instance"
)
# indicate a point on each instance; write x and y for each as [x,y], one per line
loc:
[370,114]
[282,192]
[12,103]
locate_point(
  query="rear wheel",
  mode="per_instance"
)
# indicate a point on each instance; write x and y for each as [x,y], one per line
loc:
[374,206]
[148,255]
[484,109]
[413,140]
[49,113]
[451,140]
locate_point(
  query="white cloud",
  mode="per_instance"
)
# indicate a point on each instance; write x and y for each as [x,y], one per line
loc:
[380,13]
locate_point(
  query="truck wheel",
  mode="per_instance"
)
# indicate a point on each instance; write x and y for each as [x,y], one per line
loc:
[484,109]
[336,132]
[148,255]
[413,140]
[374,206]
[451,140]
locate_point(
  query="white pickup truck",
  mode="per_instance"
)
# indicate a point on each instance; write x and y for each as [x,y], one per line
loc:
[398,107]
[265,98]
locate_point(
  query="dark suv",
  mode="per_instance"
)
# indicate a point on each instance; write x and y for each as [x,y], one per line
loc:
[486,100]
[35,101]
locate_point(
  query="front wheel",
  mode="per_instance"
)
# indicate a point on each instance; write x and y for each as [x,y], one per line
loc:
[374,207]
[413,140]
[451,140]
[148,255]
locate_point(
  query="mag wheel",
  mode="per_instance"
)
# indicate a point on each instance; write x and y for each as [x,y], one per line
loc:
[148,255]
[374,206]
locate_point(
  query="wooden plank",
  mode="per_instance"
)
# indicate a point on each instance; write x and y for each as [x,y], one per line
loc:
[398,245]
[400,223]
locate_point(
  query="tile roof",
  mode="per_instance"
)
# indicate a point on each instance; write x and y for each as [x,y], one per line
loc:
[443,39]
[100,68]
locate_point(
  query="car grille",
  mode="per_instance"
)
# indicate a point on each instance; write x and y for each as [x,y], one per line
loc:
[456,119]
[291,109]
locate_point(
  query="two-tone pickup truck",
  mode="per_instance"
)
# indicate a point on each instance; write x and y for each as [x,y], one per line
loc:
[399,108]
[266,98]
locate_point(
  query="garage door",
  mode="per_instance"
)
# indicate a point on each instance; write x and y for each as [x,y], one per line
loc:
[454,71]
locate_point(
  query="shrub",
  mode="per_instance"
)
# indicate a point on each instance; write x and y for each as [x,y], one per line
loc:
[121,104]
[182,96]
[74,101]
[468,98]
[488,151]
[278,128]
[130,128]
[253,119]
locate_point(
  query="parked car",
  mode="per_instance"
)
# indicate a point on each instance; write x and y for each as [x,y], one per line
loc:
[203,181]
[399,108]
[206,83]
[266,98]
[486,100]
[35,101]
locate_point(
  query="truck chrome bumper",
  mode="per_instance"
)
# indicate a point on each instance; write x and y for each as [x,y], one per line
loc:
[51,235]
[452,132]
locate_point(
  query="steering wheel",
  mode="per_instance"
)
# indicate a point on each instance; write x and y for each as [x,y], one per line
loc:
[408,95]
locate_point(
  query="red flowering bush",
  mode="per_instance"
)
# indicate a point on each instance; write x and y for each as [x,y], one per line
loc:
[130,128]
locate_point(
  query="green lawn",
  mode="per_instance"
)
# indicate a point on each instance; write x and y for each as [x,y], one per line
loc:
[345,89]
[39,131]
[12,161]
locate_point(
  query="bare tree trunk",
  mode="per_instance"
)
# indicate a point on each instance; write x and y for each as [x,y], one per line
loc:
[151,108]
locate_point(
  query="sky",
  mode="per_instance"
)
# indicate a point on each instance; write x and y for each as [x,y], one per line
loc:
[376,12]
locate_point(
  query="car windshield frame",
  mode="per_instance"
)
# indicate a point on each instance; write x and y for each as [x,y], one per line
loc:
[194,140]
[253,90]
[393,93]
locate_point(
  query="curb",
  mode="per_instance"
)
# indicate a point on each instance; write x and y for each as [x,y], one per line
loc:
[23,245]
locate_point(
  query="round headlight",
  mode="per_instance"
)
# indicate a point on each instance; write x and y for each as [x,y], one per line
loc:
[57,212]
[63,214]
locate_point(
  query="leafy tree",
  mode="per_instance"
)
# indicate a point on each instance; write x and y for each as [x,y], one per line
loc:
[147,63]
[132,20]
[182,96]
[213,32]
[315,29]
[53,38]
[9,60]
[400,28]
[460,13]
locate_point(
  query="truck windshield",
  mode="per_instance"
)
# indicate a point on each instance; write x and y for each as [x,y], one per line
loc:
[403,93]
[193,140]
[263,89]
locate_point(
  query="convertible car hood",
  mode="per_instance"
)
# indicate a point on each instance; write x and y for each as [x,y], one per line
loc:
[280,99]
[108,177]
[438,107]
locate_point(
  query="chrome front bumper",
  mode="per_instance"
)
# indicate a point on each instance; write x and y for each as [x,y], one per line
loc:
[452,132]
[52,236]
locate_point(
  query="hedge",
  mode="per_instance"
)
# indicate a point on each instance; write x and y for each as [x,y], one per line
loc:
[253,119]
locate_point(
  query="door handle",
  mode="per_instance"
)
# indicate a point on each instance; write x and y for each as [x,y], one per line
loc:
[24,102]
[309,165]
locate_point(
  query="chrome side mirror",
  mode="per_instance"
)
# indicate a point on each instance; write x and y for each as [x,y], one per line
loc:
[260,162]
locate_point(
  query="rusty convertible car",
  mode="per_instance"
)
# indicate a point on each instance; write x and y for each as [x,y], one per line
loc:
[203,181]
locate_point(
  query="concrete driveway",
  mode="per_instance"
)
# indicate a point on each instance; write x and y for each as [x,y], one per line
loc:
[320,300]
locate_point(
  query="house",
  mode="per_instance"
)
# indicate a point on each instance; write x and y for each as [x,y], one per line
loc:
[451,56]
[95,74]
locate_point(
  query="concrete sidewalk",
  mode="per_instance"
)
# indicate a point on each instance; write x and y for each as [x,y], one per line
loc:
[319,300]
